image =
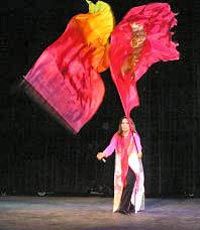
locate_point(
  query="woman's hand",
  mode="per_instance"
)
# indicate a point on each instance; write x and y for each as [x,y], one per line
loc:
[100,155]
[139,155]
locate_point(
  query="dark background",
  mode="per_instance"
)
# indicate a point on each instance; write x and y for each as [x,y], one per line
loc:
[38,154]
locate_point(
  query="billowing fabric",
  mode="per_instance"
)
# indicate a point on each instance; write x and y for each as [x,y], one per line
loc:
[141,39]
[132,149]
[66,75]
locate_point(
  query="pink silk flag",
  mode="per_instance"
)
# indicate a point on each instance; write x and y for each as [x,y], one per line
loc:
[66,75]
[141,39]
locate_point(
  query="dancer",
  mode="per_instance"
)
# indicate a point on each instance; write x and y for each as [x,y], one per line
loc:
[129,174]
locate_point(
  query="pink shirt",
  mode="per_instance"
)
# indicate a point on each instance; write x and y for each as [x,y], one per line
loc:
[113,143]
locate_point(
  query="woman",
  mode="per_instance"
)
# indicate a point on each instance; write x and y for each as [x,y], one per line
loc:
[129,174]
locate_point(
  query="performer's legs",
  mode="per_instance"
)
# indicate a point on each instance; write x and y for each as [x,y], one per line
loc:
[127,192]
[138,192]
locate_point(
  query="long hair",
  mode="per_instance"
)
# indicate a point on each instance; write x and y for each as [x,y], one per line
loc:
[131,125]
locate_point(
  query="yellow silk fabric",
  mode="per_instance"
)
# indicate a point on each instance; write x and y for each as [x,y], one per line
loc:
[96,27]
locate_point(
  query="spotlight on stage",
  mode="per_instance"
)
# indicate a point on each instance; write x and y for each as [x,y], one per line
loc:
[44,193]
[100,190]
[41,193]
[3,192]
[189,195]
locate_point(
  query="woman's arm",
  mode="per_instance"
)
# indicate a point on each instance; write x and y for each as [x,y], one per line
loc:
[108,150]
[138,144]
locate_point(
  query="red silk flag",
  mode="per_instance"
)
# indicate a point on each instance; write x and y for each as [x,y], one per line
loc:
[66,75]
[141,39]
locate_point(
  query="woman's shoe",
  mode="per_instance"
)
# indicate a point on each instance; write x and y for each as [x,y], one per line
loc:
[123,212]
[131,209]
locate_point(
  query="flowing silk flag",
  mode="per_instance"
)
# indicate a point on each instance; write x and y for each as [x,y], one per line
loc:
[66,75]
[142,38]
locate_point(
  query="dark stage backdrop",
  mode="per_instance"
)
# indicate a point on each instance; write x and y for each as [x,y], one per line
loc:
[39,154]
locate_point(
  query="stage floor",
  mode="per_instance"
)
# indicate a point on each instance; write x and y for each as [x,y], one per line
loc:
[60,213]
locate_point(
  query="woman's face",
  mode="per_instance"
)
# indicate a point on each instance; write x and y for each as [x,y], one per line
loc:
[125,125]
